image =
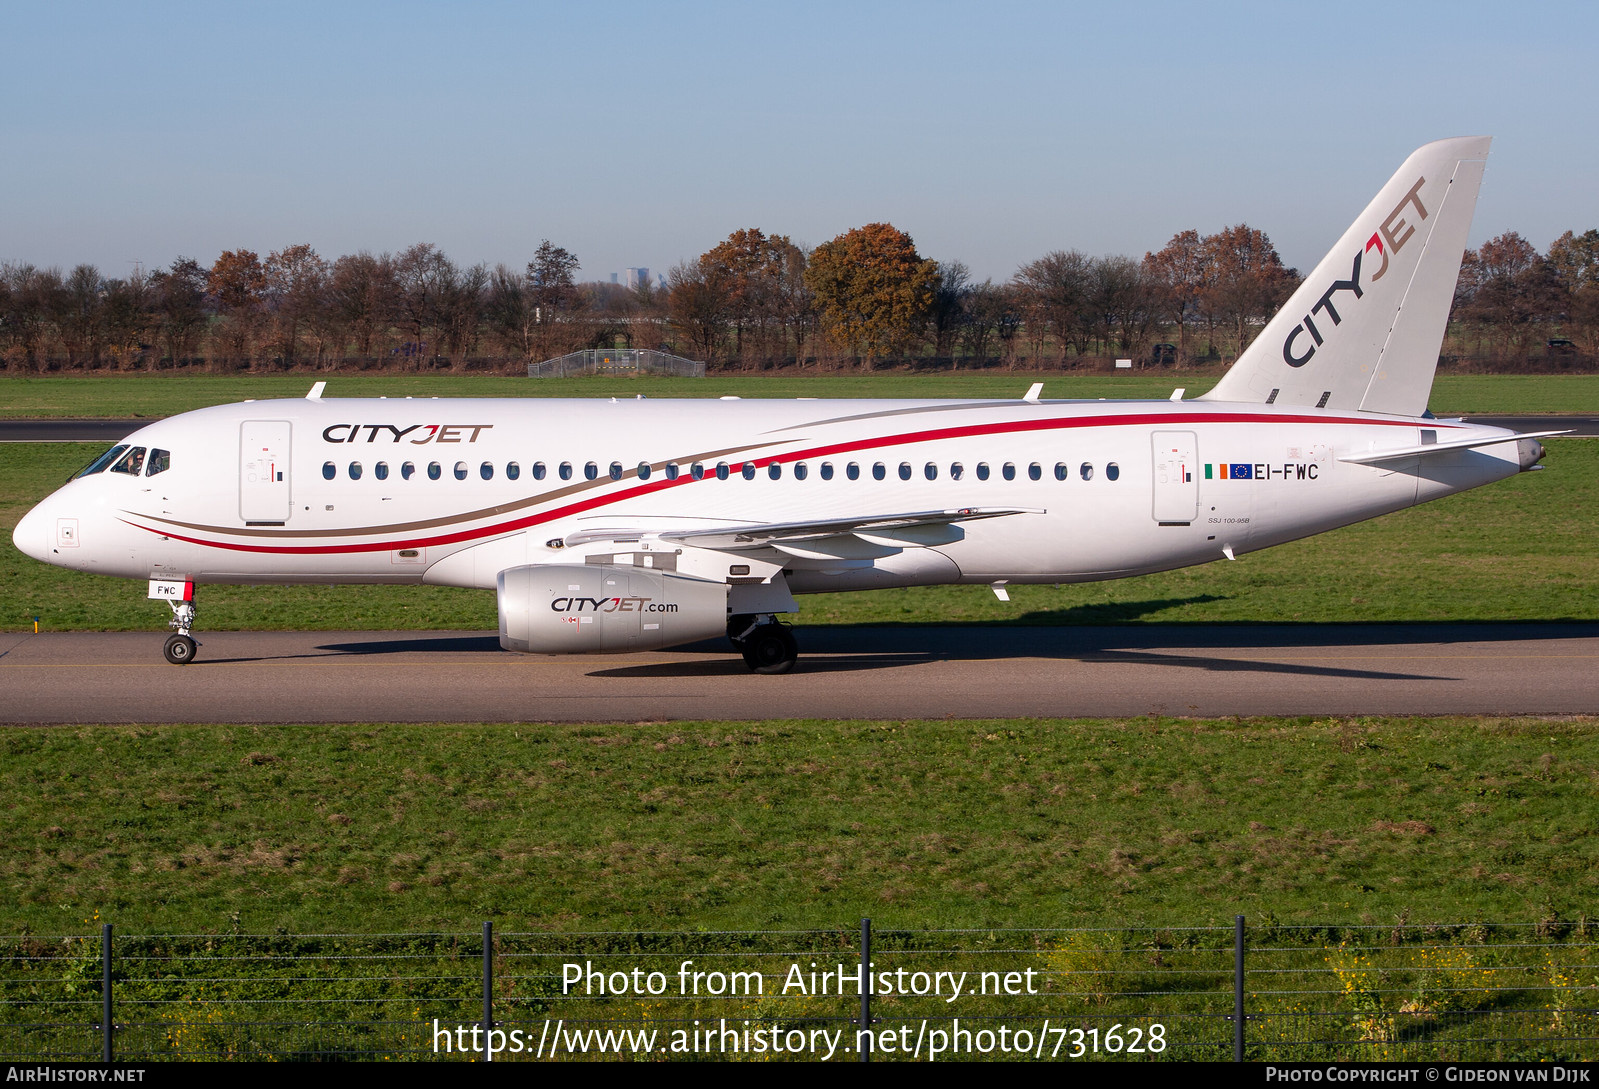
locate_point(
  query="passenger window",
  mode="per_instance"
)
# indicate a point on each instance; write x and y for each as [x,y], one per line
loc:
[1035,471]
[329,470]
[566,470]
[435,470]
[800,471]
[131,463]
[1112,471]
[721,470]
[512,471]
[853,471]
[904,470]
[616,470]
[827,470]
[697,471]
[1062,470]
[381,470]
[407,471]
[590,471]
[1087,471]
[1008,471]
[956,471]
[879,470]
[460,470]
[643,470]
[930,471]
[671,470]
[982,470]
[355,470]
[539,470]
[98,464]
[748,470]
[774,471]
[160,462]
[486,470]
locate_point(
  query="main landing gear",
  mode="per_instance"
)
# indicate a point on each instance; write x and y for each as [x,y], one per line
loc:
[180,648]
[767,646]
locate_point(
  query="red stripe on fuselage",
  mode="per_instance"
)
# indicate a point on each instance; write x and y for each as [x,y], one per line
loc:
[935,435]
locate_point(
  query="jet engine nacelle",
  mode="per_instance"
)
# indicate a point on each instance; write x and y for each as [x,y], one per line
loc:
[599,608]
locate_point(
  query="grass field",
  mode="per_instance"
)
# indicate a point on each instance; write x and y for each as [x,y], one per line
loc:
[798,824]
[1521,549]
[148,395]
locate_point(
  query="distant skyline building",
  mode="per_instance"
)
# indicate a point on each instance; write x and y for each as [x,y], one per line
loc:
[637,277]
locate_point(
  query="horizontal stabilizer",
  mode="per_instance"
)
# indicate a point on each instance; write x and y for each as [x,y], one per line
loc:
[1441,447]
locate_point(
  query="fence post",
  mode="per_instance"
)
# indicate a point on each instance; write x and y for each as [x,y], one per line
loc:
[488,988]
[106,1027]
[866,993]
[1238,988]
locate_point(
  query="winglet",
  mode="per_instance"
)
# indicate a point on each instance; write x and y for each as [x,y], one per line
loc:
[1033,393]
[316,391]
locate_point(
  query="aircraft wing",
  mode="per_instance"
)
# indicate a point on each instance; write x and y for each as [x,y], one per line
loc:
[828,538]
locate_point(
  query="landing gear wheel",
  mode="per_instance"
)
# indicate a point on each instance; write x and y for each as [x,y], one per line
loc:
[179,649]
[770,648]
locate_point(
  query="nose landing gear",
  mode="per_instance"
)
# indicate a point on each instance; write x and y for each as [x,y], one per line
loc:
[180,647]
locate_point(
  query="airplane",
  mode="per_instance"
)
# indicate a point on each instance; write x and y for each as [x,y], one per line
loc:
[634,524]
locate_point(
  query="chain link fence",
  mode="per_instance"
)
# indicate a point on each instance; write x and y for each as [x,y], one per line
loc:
[617,361]
[1468,992]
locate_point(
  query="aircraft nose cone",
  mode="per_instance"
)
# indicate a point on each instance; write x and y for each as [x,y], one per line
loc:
[32,535]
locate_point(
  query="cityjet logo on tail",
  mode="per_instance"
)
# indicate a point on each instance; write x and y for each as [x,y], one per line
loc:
[1396,231]
[393,433]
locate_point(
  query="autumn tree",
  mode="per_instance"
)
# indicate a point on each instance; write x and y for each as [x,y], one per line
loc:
[296,290]
[237,286]
[1507,288]
[552,280]
[1247,280]
[363,294]
[1574,259]
[699,305]
[948,314]
[180,311]
[872,289]
[760,274]
[424,278]
[1179,275]
[1055,294]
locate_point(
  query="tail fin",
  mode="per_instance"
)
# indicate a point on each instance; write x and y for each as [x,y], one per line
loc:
[1363,331]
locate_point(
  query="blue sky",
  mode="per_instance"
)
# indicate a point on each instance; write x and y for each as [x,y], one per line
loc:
[642,134]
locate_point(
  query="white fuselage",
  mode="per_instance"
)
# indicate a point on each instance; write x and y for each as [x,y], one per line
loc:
[424,491]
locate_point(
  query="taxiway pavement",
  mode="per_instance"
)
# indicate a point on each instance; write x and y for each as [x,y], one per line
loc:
[876,672]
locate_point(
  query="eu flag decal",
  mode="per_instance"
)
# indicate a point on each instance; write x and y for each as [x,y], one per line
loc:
[1241,472]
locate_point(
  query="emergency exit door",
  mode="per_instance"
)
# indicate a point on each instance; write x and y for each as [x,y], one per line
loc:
[264,471]
[1176,477]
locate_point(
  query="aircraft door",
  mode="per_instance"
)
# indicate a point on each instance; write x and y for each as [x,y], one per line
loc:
[264,471]
[1176,478]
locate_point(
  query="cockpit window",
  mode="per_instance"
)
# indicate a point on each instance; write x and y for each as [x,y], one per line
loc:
[99,464]
[160,462]
[131,462]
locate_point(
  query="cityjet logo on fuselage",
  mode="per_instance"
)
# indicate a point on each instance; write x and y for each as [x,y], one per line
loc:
[1397,231]
[416,434]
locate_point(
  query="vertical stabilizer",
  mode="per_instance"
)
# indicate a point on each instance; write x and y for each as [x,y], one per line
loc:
[1363,330]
